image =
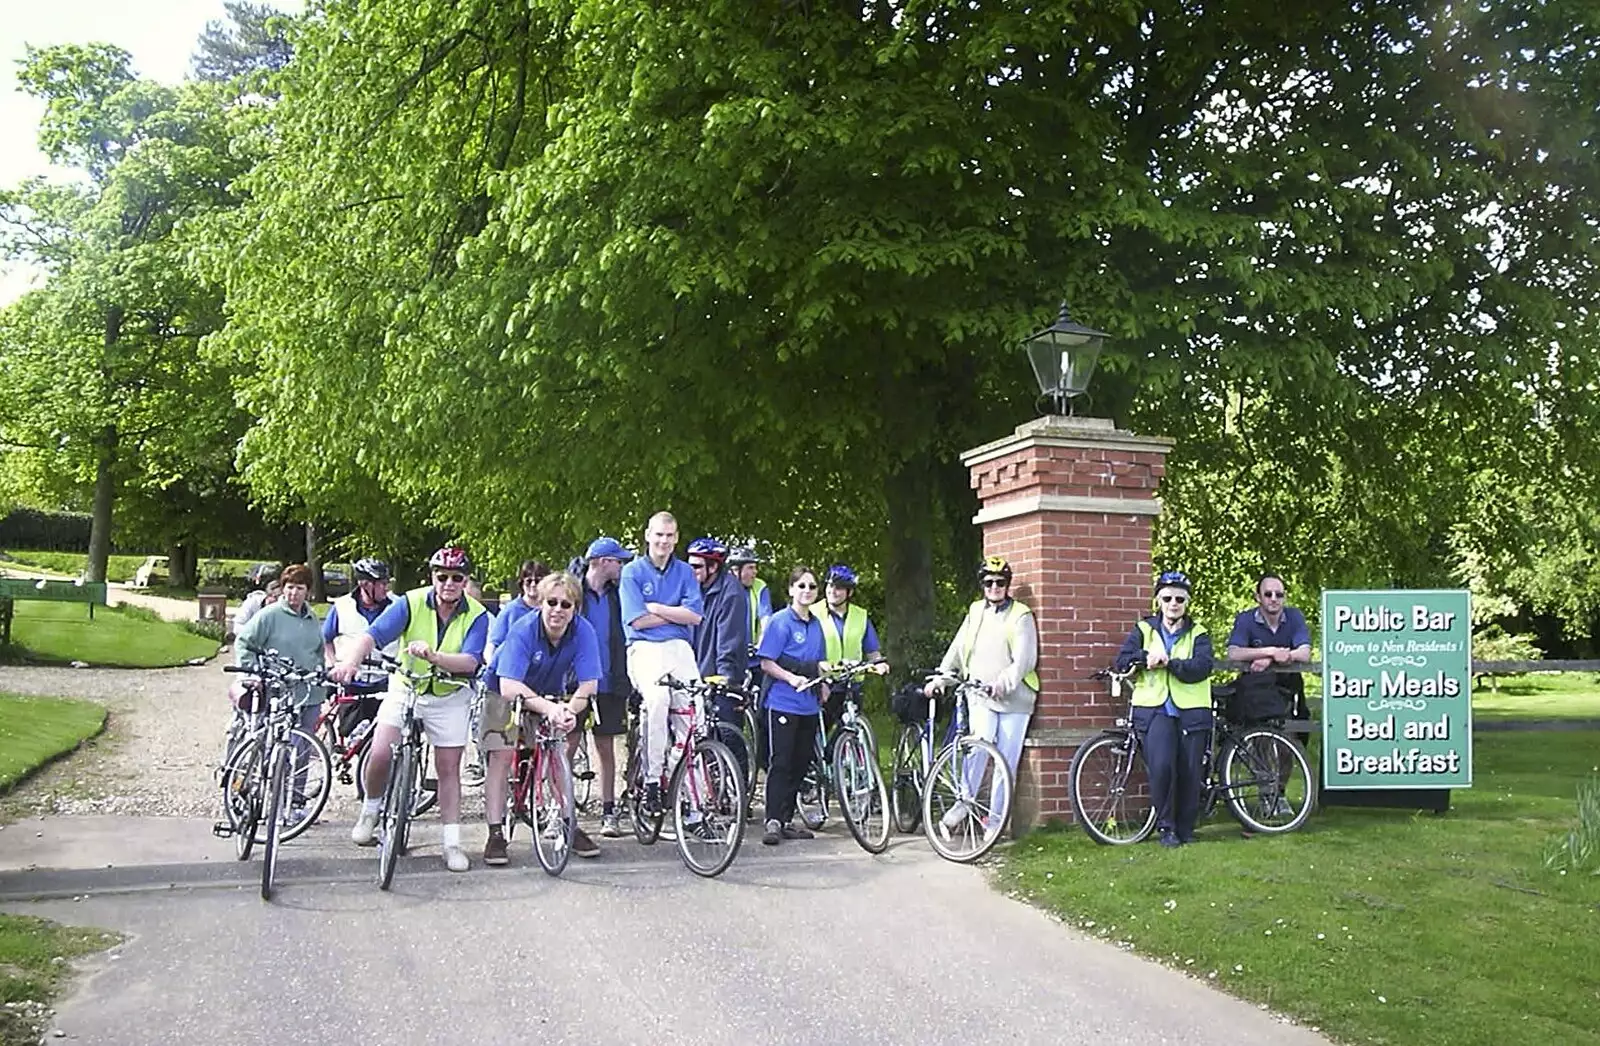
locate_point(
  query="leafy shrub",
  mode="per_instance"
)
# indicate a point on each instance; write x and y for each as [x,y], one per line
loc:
[1578,850]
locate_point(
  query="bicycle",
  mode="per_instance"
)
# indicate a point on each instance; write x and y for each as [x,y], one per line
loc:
[402,795]
[542,797]
[705,789]
[846,764]
[1256,770]
[959,823]
[346,746]
[265,793]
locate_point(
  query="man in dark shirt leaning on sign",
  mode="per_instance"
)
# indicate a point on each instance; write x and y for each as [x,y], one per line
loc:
[1270,635]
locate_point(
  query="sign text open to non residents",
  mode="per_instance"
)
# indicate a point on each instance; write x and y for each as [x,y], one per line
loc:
[1396,689]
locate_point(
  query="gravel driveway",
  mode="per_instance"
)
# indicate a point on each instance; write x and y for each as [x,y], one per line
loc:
[162,739]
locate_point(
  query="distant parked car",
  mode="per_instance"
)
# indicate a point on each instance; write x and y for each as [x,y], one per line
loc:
[260,573]
[335,582]
[153,569]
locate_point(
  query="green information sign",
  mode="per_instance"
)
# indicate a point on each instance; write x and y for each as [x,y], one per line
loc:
[1396,689]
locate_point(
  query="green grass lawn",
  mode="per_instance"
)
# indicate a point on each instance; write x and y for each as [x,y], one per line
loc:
[118,568]
[62,632]
[1376,926]
[1563,695]
[30,973]
[34,730]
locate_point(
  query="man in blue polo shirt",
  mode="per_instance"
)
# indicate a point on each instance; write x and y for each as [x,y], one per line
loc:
[529,674]
[660,607]
[1273,634]
[602,608]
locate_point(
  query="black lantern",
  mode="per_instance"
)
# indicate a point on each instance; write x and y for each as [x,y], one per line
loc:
[1064,355]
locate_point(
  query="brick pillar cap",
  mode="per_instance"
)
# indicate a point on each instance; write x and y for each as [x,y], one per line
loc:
[1055,430]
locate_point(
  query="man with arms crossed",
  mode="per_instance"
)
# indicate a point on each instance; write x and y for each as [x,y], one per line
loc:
[660,607]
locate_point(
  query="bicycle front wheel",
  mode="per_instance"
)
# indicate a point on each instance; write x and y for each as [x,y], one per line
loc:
[1110,789]
[395,821]
[310,786]
[707,793]
[906,780]
[1267,781]
[555,821]
[426,791]
[277,803]
[582,774]
[863,797]
[967,799]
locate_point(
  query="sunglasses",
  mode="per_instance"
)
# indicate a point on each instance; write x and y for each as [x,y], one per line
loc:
[454,579]
[1180,600]
[696,566]
[1273,595]
[562,603]
[805,584]
[995,582]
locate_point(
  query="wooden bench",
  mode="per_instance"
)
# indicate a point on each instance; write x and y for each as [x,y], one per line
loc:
[15,588]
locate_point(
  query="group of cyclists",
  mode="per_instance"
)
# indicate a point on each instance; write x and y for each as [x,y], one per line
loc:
[586,645]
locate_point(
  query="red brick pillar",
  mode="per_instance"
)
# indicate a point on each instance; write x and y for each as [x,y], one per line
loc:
[1070,502]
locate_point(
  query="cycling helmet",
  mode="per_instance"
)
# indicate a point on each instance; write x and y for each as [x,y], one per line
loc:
[995,566]
[708,548]
[1173,579]
[840,574]
[739,555]
[369,569]
[451,558]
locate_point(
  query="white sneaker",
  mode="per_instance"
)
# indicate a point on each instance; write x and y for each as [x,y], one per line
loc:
[365,830]
[455,859]
[954,816]
[1282,808]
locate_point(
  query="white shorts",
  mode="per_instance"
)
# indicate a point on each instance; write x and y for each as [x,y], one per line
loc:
[447,720]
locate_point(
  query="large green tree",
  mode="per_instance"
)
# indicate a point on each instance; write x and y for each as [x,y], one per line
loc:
[768,263]
[101,364]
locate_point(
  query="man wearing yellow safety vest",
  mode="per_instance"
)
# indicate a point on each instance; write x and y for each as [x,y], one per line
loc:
[1171,705]
[998,645]
[847,634]
[437,625]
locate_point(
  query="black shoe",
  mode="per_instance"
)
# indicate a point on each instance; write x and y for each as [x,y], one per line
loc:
[652,798]
[774,834]
[795,832]
[1170,838]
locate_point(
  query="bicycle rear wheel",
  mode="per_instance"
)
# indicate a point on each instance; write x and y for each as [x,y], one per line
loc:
[750,727]
[244,794]
[812,799]
[646,825]
[960,815]
[863,797]
[1110,789]
[520,792]
[395,821]
[1267,781]
[282,761]
[906,780]
[555,822]
[582,774]
[425,793]
[708,808]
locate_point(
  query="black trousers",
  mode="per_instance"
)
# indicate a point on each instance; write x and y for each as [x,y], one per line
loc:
[1174,754]
[790,738]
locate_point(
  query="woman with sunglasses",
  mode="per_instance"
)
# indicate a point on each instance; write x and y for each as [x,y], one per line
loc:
[1171,705]
[528,676]
[533,571]
[791,649]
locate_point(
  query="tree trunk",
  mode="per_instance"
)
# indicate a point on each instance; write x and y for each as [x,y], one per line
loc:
[181,566]
[105,496]
[908,565]
[314,561]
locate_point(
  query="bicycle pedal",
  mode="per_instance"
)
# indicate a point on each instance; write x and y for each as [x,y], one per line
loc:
[222,830]
[430,784]
[587,775]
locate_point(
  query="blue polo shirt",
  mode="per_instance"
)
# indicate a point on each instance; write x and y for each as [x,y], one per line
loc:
[528,656]
[397,615]
[330,624]
[597,611]
[509,615]
[674,586]
[1250,629]
[788,636]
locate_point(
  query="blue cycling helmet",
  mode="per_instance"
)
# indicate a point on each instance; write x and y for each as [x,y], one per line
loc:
[840,574]
[708,548]
[1173,579]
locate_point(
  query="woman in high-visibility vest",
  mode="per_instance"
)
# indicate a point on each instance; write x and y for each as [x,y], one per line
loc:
[997,644]
[1171,705]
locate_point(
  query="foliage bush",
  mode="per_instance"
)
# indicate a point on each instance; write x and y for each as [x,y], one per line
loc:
[1578,850]
[45,530]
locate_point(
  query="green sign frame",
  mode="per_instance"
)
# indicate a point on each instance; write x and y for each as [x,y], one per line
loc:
[1397,689]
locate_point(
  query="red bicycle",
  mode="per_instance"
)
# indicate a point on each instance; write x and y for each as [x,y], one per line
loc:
[345,732]
[542,797]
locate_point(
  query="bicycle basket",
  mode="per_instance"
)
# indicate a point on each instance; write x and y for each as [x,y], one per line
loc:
[909,704]
[1254,697]
[248,695]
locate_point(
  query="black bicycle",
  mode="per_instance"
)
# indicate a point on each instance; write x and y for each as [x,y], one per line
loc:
[1257,771]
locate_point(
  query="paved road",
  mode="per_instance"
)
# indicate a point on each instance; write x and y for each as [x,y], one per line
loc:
[803,945]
